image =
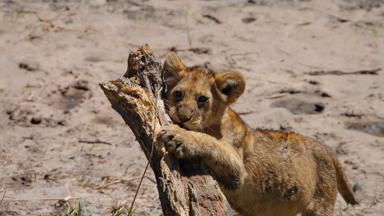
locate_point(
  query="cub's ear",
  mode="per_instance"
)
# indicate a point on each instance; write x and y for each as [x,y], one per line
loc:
[173,69]
[230,86]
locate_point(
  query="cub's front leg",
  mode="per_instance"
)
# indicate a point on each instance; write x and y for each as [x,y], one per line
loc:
[221,157]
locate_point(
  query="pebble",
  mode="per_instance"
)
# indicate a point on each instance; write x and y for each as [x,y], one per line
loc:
[35,120]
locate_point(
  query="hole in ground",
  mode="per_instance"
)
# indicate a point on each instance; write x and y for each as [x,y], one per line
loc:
[297,106]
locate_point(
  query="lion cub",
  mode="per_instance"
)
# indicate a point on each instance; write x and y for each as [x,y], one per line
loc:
[261,172]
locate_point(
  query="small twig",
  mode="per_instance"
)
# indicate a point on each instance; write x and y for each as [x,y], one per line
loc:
[276,96]
[150,179]
[138,188]
[39,18]
[232,61]
[2,198]
[245,113]
[97,141]
[52,25]
[208,16]
[117,181]
[341,73]
[352,115]
[43,199]
[197,50]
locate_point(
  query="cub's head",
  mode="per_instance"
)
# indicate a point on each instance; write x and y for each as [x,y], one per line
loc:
[196,99]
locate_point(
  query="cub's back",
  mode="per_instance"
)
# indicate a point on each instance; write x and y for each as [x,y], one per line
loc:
[283,165]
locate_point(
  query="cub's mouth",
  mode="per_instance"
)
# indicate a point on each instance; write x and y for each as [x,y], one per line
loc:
[174,117]
[184,124]
[192,123]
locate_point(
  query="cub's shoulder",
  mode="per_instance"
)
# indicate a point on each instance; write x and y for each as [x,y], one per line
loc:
[279,136]
[290,140]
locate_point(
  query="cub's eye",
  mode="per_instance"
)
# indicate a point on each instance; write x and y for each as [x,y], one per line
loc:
[178,95]
[201,100]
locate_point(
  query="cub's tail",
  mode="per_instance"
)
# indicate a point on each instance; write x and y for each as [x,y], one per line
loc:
[343,186]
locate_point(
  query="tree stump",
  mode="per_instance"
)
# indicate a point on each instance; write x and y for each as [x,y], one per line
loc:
[185,188]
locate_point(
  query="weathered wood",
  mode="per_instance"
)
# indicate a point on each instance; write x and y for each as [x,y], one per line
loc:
[184,188]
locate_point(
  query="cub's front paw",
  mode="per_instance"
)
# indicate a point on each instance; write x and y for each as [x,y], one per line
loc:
[177,141]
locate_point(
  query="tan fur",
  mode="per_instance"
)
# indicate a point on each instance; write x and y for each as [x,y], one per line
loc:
[261,172]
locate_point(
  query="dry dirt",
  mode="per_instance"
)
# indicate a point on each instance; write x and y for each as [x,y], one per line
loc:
[310,67]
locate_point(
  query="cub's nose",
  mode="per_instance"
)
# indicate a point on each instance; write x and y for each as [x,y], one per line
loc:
[185,113]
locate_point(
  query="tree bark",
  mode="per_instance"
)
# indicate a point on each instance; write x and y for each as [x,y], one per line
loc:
[185,188]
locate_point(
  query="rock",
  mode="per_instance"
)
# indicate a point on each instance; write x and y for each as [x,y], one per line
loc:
[248,20]
[35,120]
[356,187]
[29,65]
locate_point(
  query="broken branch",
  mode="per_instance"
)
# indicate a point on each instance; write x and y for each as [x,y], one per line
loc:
[184,188]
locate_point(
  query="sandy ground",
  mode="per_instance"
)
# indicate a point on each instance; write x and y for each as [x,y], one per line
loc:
[304,62]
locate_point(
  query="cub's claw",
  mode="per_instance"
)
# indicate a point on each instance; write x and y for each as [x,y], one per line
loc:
[177,141]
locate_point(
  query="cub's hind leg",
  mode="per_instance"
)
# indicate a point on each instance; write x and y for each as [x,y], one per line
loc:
[323,201]
[319,207]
